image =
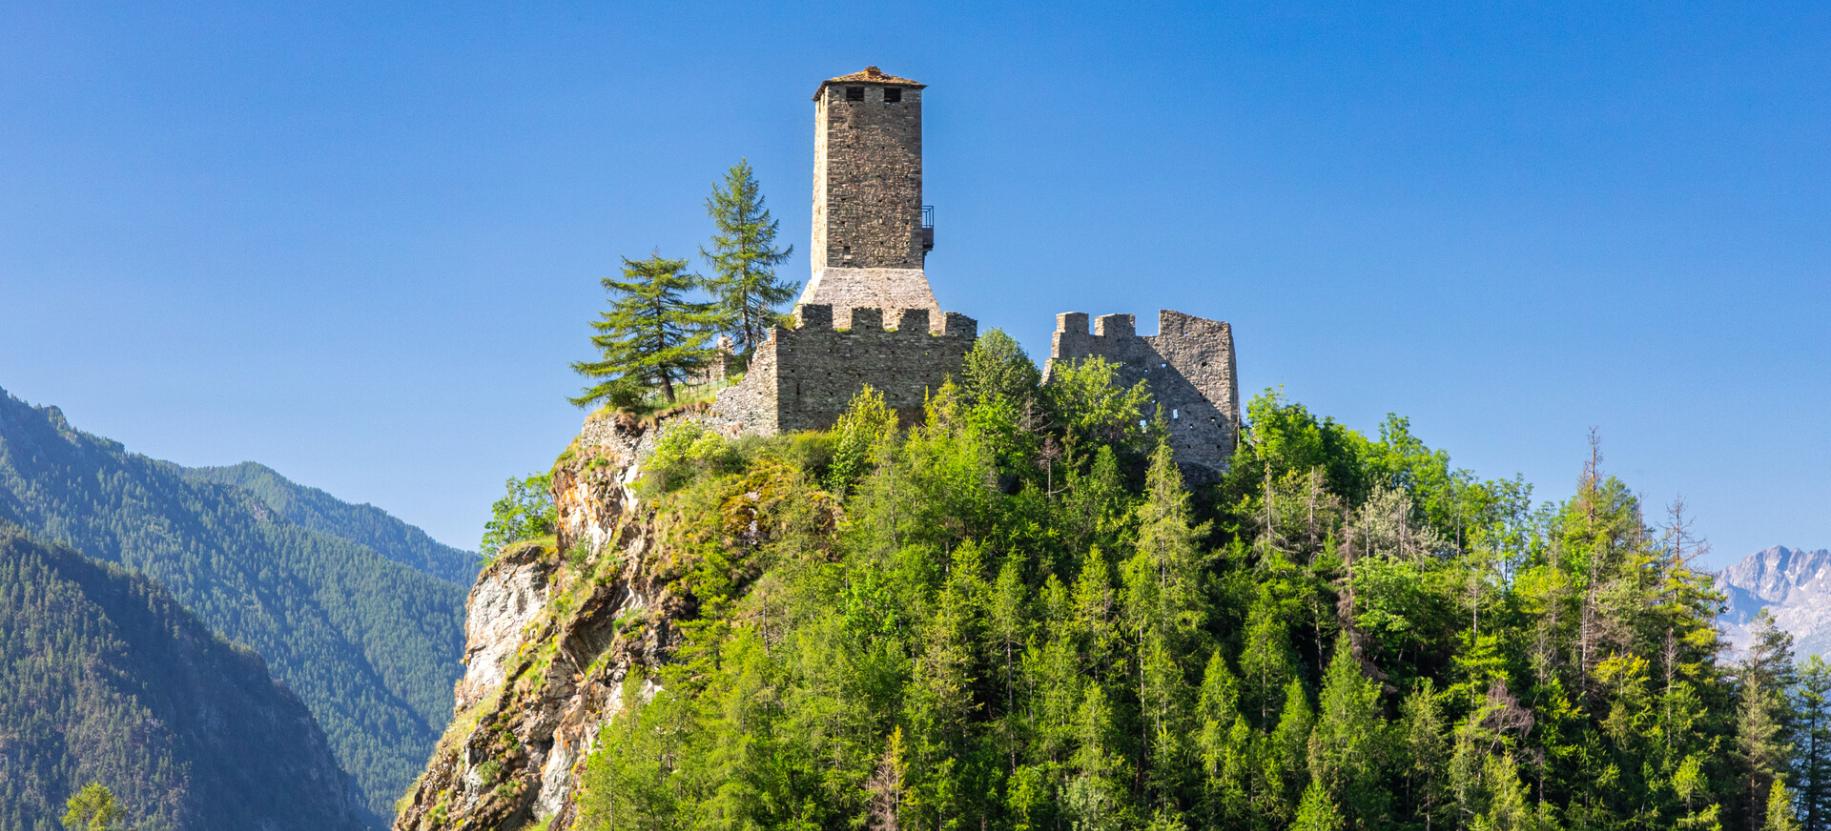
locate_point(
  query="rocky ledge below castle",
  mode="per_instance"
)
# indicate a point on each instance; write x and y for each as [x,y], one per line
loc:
[554,627]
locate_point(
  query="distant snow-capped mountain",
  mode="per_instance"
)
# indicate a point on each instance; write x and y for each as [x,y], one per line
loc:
[1794,585]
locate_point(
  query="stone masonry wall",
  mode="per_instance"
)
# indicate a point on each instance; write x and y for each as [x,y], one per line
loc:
[890,289]
[1189,368]
[803,378]
[867,178]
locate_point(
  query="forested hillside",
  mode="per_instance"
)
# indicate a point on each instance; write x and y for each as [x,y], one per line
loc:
[368,525]
[370,645]
[105,678]
[1015,615]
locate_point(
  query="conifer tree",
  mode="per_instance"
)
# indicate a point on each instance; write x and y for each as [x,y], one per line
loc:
[92,809]
[651,337]
[744,257]
[1316,812]
[1425,749]
[1813,769]
[1345,749]
[1763,718]
[1780,815]
[1283,764]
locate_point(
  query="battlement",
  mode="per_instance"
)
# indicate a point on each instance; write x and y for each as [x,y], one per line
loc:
[818,317]
[1188,366]
[868,315]
[807,374]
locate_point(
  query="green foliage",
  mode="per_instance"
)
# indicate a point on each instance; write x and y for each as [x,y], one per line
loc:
[1812,760]
[105,681]
[371,645]
[1031,624]
[1780,816]
[524,512]
[92,809]
[1084,399]
[744,257]
[862,438]
[686,451]
[652,335]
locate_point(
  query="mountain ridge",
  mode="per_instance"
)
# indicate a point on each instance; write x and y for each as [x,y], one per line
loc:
[364,523]
[104,677]
[369,643]
[1792,584]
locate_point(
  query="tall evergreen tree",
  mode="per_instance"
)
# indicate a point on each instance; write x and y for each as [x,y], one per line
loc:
[651,336]
[92,809]
[1346,746]
[744,257]
[1780,815]
[1813,768]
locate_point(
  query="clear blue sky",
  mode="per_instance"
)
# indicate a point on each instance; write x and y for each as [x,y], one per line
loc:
[361,244]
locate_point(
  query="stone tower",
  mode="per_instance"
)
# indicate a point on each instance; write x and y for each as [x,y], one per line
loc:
[867,316]
[871,235]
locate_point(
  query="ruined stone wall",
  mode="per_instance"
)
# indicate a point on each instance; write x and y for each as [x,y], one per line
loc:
[806,376]
[867,178]
[1188,366]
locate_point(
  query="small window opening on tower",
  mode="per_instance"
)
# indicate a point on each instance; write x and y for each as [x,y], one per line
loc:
[893,95]
[855,93]
[1176,414]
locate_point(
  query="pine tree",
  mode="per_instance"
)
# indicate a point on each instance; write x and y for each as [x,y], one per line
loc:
[1813,767]
[744,258]
[92,809]
[1316,812]
[1267,662]
[1425,750]
[1780,816]
[1345,747]
[1283,764]
[1761,747]
[651,337]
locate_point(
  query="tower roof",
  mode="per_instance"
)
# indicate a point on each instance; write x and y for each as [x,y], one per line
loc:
[870,75]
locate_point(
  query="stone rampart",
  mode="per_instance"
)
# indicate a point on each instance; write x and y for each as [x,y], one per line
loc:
[805,376]
[1188,366]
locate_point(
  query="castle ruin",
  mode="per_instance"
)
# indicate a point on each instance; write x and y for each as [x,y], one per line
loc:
[871,238]
[1188,367]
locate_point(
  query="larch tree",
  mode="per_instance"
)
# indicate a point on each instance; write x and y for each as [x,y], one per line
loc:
[744,257]
[652,336]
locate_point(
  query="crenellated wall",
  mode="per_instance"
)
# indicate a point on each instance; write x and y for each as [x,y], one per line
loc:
[1188,366]
[804,377]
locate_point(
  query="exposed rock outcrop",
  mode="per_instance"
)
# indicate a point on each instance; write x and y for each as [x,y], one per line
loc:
[554,629]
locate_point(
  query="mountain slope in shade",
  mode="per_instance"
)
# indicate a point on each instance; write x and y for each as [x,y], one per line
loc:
[365,524]
[370,645]
[1793,584]
[104,677]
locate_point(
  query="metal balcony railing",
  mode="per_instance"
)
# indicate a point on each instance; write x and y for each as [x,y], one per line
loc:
[928,228]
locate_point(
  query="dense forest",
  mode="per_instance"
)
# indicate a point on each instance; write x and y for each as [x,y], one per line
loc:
[1017,614]
[315,510]
[369,644]
[106,681]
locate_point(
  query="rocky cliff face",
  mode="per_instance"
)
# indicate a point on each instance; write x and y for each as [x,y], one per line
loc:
[553,630]
[1793,585]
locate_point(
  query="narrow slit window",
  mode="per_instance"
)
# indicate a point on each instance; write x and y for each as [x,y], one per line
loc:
[855,93]
[893,95]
